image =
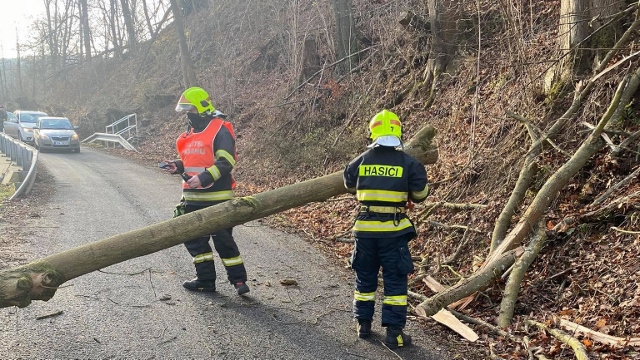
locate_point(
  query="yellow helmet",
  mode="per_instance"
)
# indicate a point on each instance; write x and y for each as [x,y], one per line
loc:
[386,129]
[195,98]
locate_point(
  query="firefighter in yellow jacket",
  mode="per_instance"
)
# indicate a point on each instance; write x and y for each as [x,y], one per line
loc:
[384,179]
[207,155]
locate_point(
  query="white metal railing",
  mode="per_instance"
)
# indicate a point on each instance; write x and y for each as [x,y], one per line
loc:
[127,127]
[23,155]
[110,138]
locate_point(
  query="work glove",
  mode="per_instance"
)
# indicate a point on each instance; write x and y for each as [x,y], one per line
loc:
[409,205]
[179,210]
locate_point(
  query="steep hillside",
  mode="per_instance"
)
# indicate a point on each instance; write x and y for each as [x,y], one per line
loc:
[248,54]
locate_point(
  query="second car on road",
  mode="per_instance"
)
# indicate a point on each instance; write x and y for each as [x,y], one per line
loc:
[55,133]
[21,126]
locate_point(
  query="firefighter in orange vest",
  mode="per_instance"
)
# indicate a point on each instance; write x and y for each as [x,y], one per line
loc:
[385,179]
[207,155]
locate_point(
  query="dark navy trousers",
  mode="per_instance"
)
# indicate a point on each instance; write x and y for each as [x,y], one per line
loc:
[227,249]
[392,254]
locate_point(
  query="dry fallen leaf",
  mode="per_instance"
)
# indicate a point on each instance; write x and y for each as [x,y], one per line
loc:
[288,282]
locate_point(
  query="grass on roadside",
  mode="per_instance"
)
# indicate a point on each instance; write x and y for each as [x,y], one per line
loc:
[6,191]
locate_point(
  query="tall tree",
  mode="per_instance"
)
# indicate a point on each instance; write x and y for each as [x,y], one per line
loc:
[442,24]
[51,32]
[345,34]
[84,28]
[147,17]
[66,29]
[572,31]
[188,74]
[129,23]
[3,82]
[18,65]
[602,15]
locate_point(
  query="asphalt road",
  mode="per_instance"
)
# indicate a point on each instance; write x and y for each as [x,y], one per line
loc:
[138,309]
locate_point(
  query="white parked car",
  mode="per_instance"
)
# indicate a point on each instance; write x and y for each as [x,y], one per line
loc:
[21,126]
[55,133]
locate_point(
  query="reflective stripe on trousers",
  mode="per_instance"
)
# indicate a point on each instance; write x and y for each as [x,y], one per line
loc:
[392,255]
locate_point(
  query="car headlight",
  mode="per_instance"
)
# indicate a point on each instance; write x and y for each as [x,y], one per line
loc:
[28,129]
[74,137]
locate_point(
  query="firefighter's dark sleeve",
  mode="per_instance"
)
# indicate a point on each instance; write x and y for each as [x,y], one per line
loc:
[224,148]
[179,166]
[350,175]
[418,183]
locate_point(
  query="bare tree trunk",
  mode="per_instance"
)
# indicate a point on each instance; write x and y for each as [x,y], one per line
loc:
[39,280]
[572,31]
[602,12]
[34,76]
[477,282]
[346,43]
[495,262]
[154,36]
[113,27]
[310,60]
[51,36]
[3,87]
[147,18]
[188,74]
[84,28]
[520,267]
[442,25]
[66,29]
[19,66]
[557,181]
[129,23]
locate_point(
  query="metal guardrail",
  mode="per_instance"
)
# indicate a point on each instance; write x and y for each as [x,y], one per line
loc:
[112,138]
[24,156]
[120,128]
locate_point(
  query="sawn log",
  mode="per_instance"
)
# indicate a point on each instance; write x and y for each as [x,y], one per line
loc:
[40,279]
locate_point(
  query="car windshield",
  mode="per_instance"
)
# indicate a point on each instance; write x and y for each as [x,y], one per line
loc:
[62,124]
[29,118]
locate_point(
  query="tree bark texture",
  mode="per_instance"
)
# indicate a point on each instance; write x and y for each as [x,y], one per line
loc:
[557,181]
[345,40]
[578,347]
[601,12]
[84,28]
[188,74]
[129,23]
[442,26]
[39,280]
[512,288]
[572,30]
[114,28]
[527,172]
[477,282]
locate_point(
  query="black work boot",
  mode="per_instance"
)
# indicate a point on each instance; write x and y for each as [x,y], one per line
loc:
[200,285]
[241,287]
[364,328]
[396,338]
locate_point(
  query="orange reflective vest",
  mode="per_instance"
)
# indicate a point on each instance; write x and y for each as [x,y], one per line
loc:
[197,153]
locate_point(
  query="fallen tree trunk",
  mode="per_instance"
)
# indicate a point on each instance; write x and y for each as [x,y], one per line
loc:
[551,188]
[39,280]
[476,282]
